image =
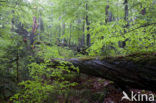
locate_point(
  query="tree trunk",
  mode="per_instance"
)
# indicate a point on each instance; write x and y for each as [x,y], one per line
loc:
[63,32]
[70,32]
[126,10]
[88,28]
[17,66]
[107,14]
[83,36]
[122,71]
[122,44]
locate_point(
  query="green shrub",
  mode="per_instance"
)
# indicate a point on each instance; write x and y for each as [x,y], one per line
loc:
[45,81]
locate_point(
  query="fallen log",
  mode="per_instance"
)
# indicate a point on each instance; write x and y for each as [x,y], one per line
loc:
[134,71]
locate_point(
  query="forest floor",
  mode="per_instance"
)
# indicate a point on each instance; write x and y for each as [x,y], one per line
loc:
[92,89]
[97,90]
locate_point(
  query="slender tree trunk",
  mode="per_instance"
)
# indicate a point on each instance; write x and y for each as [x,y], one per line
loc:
[79,28]
[88,28]
[107,14]
[126,12]
[40,27]
[83,36]
[122,44]
[63,32]
[39,21]
[17,66]
[59,31]
[70,34]
[34,29]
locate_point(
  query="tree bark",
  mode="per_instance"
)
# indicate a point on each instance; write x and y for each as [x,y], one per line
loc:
[107,14]
[126,10]
[70,32]
[88,28]
[83,35]
[122,71]
[122,44]
[17,66]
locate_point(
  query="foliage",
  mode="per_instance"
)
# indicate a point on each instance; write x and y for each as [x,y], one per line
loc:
[49,52]
[60,30]
[45,81]
[139,36]
[139,40]
[9,48]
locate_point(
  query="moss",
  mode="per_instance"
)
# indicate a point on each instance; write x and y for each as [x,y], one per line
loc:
[86,58]
[149,59]
[137,58]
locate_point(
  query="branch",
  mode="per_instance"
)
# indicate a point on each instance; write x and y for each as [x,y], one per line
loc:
[145,25]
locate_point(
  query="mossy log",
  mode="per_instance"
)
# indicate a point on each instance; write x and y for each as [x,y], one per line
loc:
[134,71]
